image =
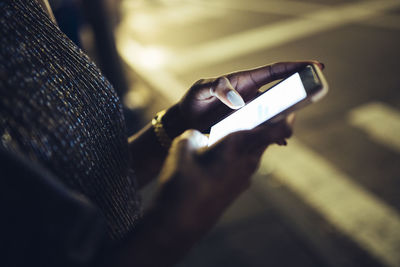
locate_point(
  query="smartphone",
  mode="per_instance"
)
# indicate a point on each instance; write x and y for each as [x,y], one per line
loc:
[298,90]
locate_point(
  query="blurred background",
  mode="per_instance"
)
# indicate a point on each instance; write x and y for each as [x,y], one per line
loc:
[332,196]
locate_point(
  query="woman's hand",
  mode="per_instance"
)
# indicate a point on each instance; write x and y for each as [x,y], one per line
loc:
[199,182]
[196,184]
[207,101]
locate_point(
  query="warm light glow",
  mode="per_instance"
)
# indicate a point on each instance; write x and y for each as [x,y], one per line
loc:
[152,57]
[142,23]
[145,57]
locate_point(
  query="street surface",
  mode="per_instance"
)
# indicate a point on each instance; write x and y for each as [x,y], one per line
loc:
[332,196]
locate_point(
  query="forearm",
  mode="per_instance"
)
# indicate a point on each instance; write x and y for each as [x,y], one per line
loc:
[147,153]
[158,241]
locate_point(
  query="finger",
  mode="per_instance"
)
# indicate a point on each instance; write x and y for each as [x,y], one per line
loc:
[264,135]
[290,119]
[278,131]
[248,82]
[195,139]
[182,150]
[225,92]
[281,142]
[189,141]
[256,78]
[201,88]
[280,70]
[239,142]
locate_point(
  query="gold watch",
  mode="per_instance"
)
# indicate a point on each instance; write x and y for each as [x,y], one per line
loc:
[159,130]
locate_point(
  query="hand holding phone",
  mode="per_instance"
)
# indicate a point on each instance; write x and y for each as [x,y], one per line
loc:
[298,90]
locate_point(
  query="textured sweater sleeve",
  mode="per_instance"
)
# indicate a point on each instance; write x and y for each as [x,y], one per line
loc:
[58,110]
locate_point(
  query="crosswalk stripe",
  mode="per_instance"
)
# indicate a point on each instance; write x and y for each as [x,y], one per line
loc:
[281,7]
[276,34]
[384,21]
[161,75]
[300,9]
[147,21]
[162,81]
[363,217]
[380,121]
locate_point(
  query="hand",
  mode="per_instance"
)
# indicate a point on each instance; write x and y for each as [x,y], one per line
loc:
[201,107]
[198,183]
[206,102]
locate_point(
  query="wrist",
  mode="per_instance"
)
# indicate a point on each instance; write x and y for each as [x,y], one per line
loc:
[173,122]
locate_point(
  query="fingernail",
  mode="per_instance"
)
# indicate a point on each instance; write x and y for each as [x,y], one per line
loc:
[200,140]
[196,138]
[290,119]
[235,99]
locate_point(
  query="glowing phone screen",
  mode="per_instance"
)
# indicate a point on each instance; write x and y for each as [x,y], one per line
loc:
[277,99]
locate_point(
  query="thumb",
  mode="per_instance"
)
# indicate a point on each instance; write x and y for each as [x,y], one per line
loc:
[225,92]
[182,150]
[190,140]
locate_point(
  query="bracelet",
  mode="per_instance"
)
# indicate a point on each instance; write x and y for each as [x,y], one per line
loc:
[159,130]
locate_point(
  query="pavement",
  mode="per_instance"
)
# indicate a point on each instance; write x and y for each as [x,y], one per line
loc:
[332,196]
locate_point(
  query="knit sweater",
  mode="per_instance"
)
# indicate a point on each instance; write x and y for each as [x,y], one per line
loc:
[59,111]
